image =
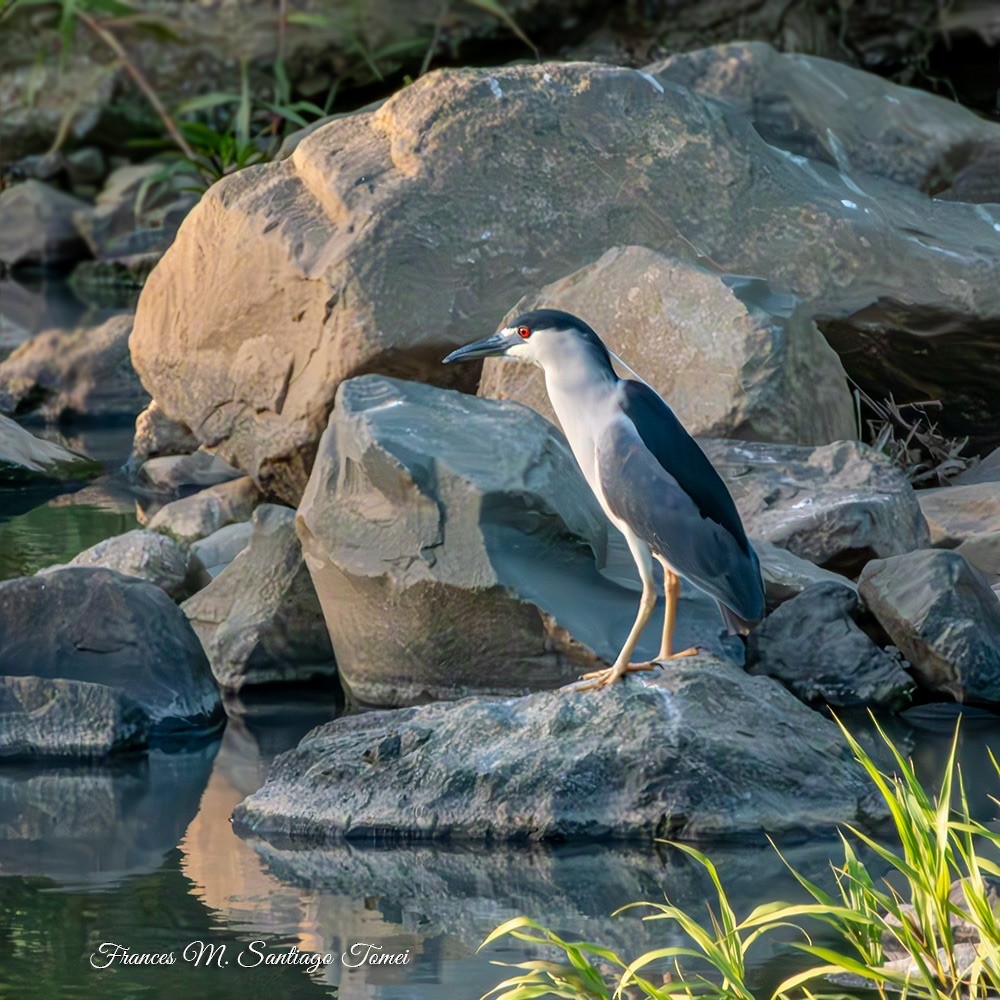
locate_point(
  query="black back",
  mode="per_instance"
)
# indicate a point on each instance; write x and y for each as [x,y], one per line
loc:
[664,435]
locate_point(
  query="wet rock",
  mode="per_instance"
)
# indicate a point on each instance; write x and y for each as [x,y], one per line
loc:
[25,457]
[255,371]
[198,516]
[44,718]
[217,550]
[452,543]
[837,506]
[64,373]
[814,645]
[733,357]
[983,552]
[944,618]
[786,575]
[171,473]
[259,620]
[36,225]
[149,556]
[955,513]
[112,630]
[156,434]
[541,767]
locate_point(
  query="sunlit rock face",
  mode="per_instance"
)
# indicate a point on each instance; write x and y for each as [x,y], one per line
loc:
[688,744]
[391,236]
[732,357]
[455,548]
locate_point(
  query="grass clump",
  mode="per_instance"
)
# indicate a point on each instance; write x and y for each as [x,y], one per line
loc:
[926,928]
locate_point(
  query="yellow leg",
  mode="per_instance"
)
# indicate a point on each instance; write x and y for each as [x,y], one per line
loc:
[671,590]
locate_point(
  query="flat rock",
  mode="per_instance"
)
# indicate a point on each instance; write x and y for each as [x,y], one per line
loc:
[66,373]
[117,631]
[455,549]
[786,575]
[24,457]
[217,550]
[943,616]
[198,516]
[836,506]
[955,513]
[837,664]
[55,717]
[700,750]
[172,473]
[453,226]
[985,471]
[36,225]
[733,357]
[150,556]
[259,620]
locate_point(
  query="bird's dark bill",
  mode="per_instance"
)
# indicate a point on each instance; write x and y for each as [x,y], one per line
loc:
[488,347]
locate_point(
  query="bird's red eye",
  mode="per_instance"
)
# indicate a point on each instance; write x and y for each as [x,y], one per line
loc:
[523,332]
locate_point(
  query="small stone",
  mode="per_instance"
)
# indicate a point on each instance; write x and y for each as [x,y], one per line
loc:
[198,516]
[36,225]
[955,513]
[217,550]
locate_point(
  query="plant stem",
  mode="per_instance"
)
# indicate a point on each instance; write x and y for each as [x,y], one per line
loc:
[141,82]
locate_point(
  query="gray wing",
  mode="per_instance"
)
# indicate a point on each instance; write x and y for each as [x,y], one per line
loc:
[642,493]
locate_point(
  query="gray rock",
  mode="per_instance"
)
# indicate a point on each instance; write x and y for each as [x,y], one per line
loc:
[452,544]
[944,618]
[217,550]
[149,556]
[256,375]
[64,373]
[198,516]
[786,575]
[986,471]
[733,357]
[815,647]
[114,630]
[955,513]
[259,620]
[171,473]
[36,225]
[24,457]
[156,434]
[699,750]
[837,506]
[983,552]
[43,717]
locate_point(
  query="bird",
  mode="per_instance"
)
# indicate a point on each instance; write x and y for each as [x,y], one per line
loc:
[649,476]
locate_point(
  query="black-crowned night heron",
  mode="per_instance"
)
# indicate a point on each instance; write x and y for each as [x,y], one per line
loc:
[648,474]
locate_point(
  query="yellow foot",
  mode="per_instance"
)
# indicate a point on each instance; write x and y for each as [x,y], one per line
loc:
[690,651]
[602,678]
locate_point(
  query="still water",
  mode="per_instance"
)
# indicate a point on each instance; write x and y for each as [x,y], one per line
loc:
[141,854]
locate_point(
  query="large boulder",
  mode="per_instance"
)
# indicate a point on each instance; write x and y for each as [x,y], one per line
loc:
[955,513]
[55,717]
[733,358]
[983,552]
[36,225]
[97,626]
[25,457]
[259,620]
[83,372]
[839,664]
[837,506]
[391,236]
[699,750]
[944,618]
[452,543]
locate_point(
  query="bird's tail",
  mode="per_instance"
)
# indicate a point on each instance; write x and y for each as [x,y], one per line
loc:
[734,624]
